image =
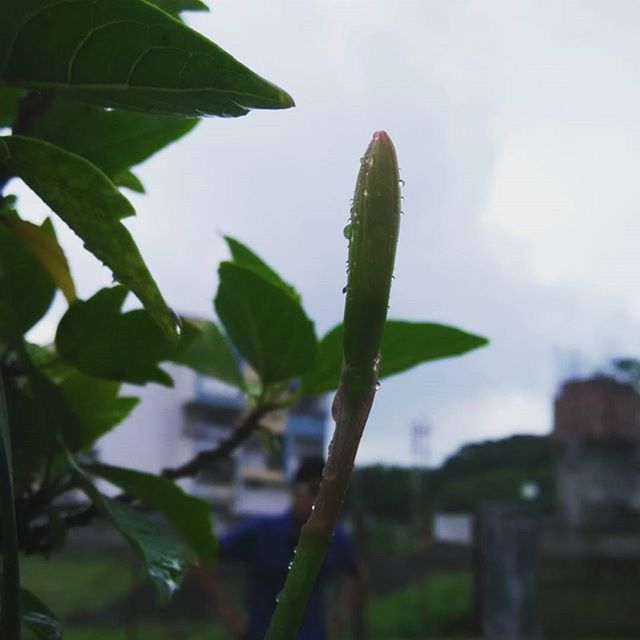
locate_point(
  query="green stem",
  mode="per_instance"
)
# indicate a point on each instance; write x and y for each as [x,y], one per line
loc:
[350,409]
[10,591]
[373,233]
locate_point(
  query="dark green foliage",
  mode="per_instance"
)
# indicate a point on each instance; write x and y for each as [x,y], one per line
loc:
[20,271]
[404,345]
[176,6]
[189,516]
[491,471]
[129,180]
[494,471]
[93,207]
[526,452]
[268,326]
[92,88]
[165,556]
[205,349]
[439,607]
[30,437]
[64,65]
[244,257]
[103,51]
[97,404]
[113,141]
[385,492]
[96,337]
[8,105]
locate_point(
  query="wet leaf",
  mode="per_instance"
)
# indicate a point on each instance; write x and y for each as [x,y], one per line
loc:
[113,140]
[244,257]
[176,6]
[205,349]
[189,516]
[404,345]
[269,327]
[96,337]
[127,54]
[164,554]
[92,206]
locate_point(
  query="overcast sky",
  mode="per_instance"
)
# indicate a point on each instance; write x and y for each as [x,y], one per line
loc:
[517,126]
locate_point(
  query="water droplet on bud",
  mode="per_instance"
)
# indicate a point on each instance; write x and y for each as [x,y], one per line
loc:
[346,232]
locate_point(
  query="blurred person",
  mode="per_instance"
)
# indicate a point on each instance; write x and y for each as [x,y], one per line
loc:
[266,545]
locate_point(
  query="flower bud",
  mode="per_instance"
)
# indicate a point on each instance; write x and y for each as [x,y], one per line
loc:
[373,235]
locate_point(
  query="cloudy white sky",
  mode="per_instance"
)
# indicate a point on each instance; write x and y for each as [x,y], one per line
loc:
[517,126]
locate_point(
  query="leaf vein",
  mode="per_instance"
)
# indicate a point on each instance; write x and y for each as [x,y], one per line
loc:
[26,20]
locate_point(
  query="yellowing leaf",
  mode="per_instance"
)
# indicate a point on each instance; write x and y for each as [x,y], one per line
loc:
[45,248]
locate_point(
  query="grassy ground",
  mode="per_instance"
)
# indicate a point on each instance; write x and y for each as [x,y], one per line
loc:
[70,583]
[437,607]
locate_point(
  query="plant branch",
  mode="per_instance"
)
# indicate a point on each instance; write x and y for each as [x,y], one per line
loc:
[247,425]
[10,588]
[36,537]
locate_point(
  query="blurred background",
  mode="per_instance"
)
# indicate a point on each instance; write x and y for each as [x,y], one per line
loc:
[498,493]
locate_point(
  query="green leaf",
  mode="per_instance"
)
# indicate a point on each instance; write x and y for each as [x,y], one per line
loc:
[189,516]
[54,411]
[8,105]
[176,6]
[128,54]
[26,289]
[244,257]
[41,242]
[92,206]
[164,554]
[96,403]
[31,439]
[56,399]
[205,349]
[269,328]
[38,618]
[96,337]
[404,345]
[111,140]
[128,180]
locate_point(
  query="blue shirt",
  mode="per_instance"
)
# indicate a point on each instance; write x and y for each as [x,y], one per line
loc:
[266,545]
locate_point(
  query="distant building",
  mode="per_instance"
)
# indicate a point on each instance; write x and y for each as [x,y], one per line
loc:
[170,426]
[255,478]
[597,430]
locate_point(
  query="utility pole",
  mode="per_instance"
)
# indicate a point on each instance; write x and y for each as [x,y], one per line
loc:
[419,439]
